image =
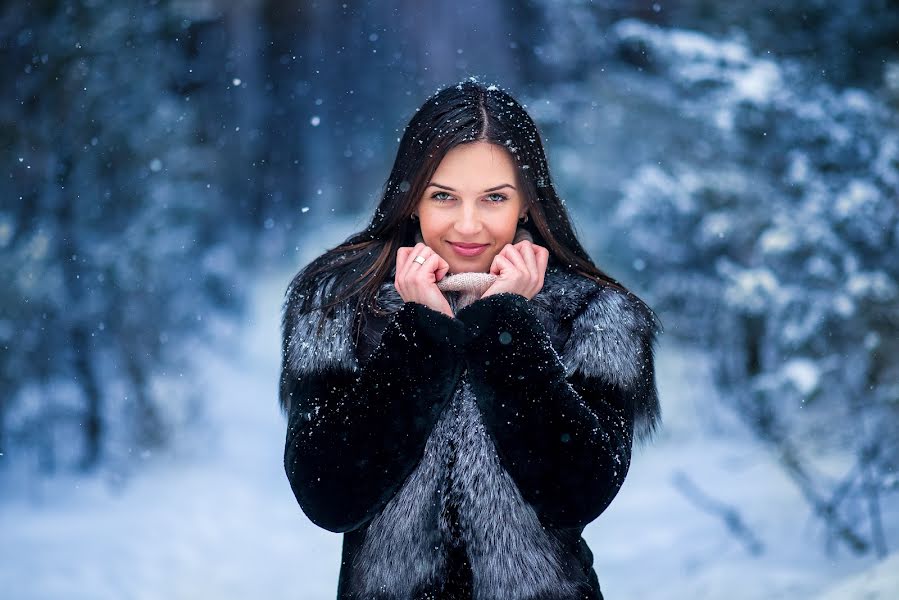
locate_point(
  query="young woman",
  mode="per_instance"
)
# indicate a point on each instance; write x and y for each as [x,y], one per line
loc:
[462,384]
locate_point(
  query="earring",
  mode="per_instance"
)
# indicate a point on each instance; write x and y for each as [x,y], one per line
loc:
[413,216]
[523,219]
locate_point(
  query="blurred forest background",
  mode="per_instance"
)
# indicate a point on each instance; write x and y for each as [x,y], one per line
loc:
[735,163]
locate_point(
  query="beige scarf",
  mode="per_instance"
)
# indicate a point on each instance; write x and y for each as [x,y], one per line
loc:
[472,284]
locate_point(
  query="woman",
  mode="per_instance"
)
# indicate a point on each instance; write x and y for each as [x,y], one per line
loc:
[462,384]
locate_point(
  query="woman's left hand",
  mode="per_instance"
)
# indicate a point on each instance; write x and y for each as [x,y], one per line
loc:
[520,269]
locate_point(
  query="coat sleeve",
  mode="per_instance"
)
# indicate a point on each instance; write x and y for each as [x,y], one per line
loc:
[562,425]
[356,431]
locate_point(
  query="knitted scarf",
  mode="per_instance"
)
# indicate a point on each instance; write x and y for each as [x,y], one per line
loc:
[470,286]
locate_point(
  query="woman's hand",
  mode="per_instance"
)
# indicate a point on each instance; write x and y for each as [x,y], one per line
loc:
[418,282]
[520,269]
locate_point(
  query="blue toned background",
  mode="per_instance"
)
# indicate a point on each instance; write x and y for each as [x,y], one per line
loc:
[171,164]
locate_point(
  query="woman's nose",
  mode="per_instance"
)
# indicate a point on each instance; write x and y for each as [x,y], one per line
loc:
[469,223]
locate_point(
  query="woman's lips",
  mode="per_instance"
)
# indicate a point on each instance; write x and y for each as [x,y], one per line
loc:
[468,249]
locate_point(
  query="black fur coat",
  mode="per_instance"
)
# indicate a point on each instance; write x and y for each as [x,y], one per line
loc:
[463,457]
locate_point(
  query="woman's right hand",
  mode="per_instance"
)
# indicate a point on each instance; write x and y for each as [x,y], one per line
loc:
[418,282]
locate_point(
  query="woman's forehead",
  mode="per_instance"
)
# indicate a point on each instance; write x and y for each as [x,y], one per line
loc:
[475,169]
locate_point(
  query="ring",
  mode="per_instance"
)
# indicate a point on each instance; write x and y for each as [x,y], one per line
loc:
[419,259]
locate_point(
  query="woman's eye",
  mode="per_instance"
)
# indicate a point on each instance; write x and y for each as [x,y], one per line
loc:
[494,198]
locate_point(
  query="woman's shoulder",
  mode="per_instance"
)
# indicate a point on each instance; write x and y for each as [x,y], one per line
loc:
[565,293]
[608,329]
[573,296]
[314,339]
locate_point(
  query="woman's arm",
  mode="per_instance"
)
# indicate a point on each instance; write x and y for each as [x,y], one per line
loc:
[355,432]
[563,426]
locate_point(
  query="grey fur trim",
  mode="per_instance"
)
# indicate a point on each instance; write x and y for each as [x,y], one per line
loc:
[511,554]
[613,338]
[310,350]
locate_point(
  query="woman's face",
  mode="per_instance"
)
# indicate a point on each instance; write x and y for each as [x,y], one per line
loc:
[472,199]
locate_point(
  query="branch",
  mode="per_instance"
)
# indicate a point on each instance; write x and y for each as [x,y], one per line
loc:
[726,513]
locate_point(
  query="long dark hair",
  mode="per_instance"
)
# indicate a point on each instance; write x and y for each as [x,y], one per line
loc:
[457,114]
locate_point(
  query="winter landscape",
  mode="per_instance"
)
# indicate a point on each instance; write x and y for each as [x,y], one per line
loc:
[173,164]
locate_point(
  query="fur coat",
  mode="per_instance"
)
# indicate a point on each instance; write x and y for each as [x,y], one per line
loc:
[463,457]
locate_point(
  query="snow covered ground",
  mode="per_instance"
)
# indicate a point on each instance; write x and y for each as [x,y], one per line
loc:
[216,518]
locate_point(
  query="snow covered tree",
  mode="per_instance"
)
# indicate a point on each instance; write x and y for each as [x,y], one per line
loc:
[777,250]
[114,246]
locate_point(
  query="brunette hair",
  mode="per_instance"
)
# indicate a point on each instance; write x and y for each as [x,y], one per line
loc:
[456,114]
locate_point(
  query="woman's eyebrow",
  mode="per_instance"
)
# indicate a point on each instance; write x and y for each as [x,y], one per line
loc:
[446,187]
